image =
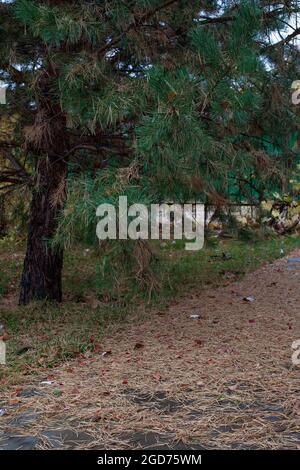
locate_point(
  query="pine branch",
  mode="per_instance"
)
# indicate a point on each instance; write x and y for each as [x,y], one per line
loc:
[136,22]
[286,40]
[225,19]
[74,149]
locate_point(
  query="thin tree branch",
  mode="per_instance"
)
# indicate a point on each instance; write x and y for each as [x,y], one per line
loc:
[15,163]
[134,23]
[286,40]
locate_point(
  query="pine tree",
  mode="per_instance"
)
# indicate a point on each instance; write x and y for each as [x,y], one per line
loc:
[178,89]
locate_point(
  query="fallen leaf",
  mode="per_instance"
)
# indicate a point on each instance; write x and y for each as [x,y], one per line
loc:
[13,402]
[17,392]
[185,386]
[4,337]
[157,377]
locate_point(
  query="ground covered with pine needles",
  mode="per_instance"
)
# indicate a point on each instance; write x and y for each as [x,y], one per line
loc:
[214,370]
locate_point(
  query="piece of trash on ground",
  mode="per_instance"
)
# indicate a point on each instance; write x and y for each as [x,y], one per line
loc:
[106,353]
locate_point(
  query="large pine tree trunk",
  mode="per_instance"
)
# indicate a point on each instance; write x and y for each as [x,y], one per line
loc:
[47,139]
[42,271]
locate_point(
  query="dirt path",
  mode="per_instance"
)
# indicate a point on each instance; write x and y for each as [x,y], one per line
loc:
[223,380]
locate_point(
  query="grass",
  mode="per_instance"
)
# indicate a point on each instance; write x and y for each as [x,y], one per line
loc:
[43,335]
[3,284]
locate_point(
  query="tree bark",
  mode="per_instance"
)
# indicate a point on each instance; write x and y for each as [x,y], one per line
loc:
[47,138]
[42,271]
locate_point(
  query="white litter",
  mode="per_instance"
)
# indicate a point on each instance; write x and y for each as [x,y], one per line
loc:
[106,353]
